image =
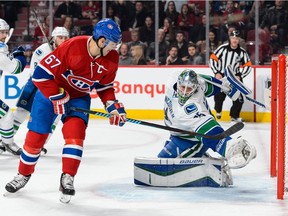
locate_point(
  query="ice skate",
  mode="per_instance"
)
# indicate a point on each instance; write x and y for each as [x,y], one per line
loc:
[218,115]
[12,148]
[66,188]
[17,183]
[235,120]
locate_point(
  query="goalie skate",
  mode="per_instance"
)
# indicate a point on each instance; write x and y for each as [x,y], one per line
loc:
[12,148]
[66,188]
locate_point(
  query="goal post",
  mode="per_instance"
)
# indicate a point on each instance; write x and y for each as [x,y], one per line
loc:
[279,159]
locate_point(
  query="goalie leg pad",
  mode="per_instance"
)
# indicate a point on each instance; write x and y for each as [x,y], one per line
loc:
[236,82]
[180,172]
[239,153]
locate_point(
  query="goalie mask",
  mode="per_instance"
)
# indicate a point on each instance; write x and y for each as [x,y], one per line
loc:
[187,84]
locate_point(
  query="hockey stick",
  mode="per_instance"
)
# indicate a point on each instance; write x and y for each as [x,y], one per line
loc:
[9,36]
[227,90]
[233,129]
[41,28]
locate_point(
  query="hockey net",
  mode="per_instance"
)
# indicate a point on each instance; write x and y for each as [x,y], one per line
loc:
[279,130]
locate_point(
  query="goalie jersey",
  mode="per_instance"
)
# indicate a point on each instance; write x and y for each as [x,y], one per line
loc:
[195,114]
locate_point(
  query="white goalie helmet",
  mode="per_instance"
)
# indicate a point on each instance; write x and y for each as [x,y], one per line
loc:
[60,31]
[187,84]
[4,25]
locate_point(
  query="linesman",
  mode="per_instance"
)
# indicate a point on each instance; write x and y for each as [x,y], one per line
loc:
[230,54]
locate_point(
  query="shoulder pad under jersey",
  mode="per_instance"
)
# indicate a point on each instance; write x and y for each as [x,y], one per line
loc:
[43,50]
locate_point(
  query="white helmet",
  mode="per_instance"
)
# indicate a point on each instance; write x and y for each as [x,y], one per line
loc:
[4,25]
[60,31]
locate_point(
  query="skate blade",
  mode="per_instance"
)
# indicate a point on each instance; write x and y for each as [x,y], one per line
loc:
[64,198]
[8,194]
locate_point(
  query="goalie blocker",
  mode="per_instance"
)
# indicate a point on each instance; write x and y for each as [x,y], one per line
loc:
[182,172]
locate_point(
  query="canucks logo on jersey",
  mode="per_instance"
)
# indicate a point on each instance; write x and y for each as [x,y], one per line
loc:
[191,108]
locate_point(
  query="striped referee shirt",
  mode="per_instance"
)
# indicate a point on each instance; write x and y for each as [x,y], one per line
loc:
[238,58]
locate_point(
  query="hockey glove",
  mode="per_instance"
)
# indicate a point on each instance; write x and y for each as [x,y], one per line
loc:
[230,90]
[60,102]
[117,111]
[18,53]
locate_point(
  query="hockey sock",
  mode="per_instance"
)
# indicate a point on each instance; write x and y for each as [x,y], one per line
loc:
[71,156]
[31,152]
[74,135]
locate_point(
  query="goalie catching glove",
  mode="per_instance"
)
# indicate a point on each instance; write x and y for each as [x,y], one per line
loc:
[60,102]
[117,111]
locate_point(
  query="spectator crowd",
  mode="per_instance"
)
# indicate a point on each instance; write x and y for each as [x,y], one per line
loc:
[182,32]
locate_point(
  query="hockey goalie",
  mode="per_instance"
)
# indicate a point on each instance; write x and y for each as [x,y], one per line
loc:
[187,160]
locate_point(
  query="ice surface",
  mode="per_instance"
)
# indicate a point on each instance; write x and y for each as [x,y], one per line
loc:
[104,183]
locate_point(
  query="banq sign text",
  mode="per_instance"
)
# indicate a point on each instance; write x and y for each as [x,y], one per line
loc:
[12,88]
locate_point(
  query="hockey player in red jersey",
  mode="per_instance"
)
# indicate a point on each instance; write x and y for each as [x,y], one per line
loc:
[65,78]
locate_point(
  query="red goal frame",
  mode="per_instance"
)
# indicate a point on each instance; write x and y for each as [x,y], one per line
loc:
[278,123]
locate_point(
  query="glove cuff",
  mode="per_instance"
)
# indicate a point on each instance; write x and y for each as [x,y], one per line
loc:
[61,98]
[115,106]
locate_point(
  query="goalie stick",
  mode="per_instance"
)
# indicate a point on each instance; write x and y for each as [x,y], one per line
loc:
[224,88]
[233,129]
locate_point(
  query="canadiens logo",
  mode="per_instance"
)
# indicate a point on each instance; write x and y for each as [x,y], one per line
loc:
[79,83]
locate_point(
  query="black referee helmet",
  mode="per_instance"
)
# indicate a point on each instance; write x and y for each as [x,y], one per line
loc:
[234,33]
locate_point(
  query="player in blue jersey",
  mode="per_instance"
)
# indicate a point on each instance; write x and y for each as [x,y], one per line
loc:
[26,98]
